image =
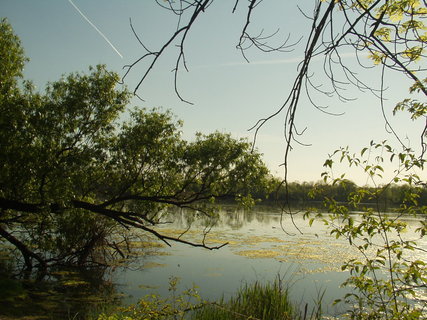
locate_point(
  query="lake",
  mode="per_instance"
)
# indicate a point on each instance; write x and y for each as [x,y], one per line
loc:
[307,259]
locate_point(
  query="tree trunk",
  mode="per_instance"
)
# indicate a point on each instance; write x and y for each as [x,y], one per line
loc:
[25,251]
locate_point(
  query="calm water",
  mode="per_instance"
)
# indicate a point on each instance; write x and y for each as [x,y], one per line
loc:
[308,259]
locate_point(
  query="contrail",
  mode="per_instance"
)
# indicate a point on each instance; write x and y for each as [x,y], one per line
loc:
[99,31]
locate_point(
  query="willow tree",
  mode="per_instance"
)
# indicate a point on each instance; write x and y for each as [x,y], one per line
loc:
[383,34]
[76,180]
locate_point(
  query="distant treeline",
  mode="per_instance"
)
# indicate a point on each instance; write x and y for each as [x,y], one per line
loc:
[309,192]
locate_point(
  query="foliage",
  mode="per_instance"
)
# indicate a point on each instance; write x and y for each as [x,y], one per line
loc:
[153,307]
[398,32]
[75,179]
[12,59]
[392,34]
[255,301]
[389,278]
[305,194]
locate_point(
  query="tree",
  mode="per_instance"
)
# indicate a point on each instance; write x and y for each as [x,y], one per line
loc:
[74,178]
[391,33]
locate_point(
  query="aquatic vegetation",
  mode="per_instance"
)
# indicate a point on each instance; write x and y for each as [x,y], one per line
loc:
[309,255]
[154,307]
[307,248]
[11,290]
[66,294]
[255,301]
[261,253]
[152,264]
[256,240]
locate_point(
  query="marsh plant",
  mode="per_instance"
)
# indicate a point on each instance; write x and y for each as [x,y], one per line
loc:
[257,301]
[175,306]
[253,301]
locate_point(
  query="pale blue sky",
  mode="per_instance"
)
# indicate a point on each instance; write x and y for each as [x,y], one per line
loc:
[229,94]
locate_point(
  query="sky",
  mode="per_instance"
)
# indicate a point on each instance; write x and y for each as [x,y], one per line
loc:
[228,93]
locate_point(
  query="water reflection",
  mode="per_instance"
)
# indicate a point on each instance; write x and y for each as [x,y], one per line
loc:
[65,293]
[258,249]
[228,217]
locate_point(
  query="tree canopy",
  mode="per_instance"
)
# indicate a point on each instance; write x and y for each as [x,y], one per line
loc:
[75,176]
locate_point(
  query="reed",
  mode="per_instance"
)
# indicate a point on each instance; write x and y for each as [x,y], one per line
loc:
[253,301]
[256,301]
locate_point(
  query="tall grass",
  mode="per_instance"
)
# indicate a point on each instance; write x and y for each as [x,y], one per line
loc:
[255,301]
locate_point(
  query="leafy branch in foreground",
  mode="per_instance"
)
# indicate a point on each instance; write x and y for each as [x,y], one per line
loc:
[390,276]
